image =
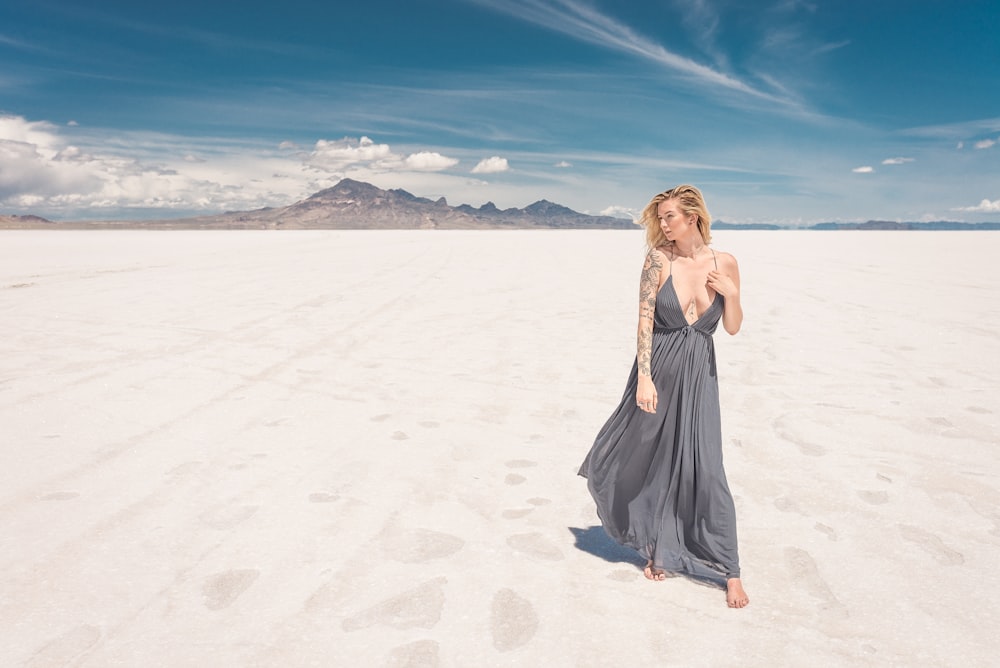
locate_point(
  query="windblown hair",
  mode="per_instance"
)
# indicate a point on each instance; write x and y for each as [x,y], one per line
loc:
[689,201]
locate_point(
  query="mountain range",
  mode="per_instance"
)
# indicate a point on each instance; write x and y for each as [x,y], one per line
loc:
[355,205]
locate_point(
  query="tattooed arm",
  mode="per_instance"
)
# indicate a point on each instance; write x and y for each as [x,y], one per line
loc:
[649,285]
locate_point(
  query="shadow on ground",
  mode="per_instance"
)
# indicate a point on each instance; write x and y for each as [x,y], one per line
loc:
[593,540]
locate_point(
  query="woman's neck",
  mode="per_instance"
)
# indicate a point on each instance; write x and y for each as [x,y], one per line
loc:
[689,248]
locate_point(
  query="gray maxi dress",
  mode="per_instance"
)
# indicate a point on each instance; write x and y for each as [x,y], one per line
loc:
[658,478]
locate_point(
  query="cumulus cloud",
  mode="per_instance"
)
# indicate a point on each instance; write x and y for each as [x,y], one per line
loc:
[986,206]
[985,143]
[867,169]
[44,170]
[897,161]
[491,165]
[342,154]
[35,164]
[621,212]
[72,124]
[427,161]
[562,164]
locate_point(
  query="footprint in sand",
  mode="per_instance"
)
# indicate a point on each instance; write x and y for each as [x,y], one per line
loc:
[184,469]
[520,464]
[429,424]
[221,589]
[539,501]
[828,530]
[513,620]
[323,497]
[417,654]
[416,546]
[978,409]
[876,498]
[932,544]
[228,516]
[787,505]
[419,607]
[514,479]
[803,569]
[381,417]
[535,545]
[516,513]
[399,436]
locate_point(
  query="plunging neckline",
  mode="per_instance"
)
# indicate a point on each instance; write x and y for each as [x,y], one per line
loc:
[677,300]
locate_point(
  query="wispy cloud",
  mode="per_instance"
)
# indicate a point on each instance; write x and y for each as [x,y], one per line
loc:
[957,131]
[897,161]
[985,143]
[583,22]
[986,206]
[866,169]
[831,46]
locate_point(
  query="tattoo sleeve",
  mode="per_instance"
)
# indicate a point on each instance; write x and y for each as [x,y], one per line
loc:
[648,284]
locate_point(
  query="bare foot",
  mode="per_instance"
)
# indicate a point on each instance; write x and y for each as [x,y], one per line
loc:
[652,573]
[735,596]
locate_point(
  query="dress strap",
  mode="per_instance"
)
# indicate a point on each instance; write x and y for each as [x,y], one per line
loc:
[714,260]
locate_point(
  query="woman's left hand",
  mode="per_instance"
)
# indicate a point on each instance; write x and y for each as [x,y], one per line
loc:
[722,283]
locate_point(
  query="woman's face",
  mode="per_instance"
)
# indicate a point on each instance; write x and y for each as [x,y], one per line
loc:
[674,223]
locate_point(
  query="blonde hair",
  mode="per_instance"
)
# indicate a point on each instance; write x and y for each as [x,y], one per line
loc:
[689,200]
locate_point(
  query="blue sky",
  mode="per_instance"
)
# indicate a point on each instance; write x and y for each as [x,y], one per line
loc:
[782,111]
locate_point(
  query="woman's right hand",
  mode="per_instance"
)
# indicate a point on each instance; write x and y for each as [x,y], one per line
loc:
[645,395]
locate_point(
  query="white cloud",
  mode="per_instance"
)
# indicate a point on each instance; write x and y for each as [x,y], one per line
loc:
[342,153]
[73,124]
[40,169]
[961,145]
[985,143]
[985,206]
[863,170]
[288,146]
[621,212]
[562,164]
[491,165]
[347,153]
[427,161]
[65,172]
[896,161]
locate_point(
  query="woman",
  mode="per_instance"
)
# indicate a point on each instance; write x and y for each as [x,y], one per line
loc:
[655,469]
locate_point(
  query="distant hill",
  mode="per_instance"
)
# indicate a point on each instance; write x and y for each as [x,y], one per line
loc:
[354,205]
[939,225]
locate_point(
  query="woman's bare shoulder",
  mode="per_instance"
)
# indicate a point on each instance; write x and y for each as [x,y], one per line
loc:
[657,255]
[725,259]
[661,253]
